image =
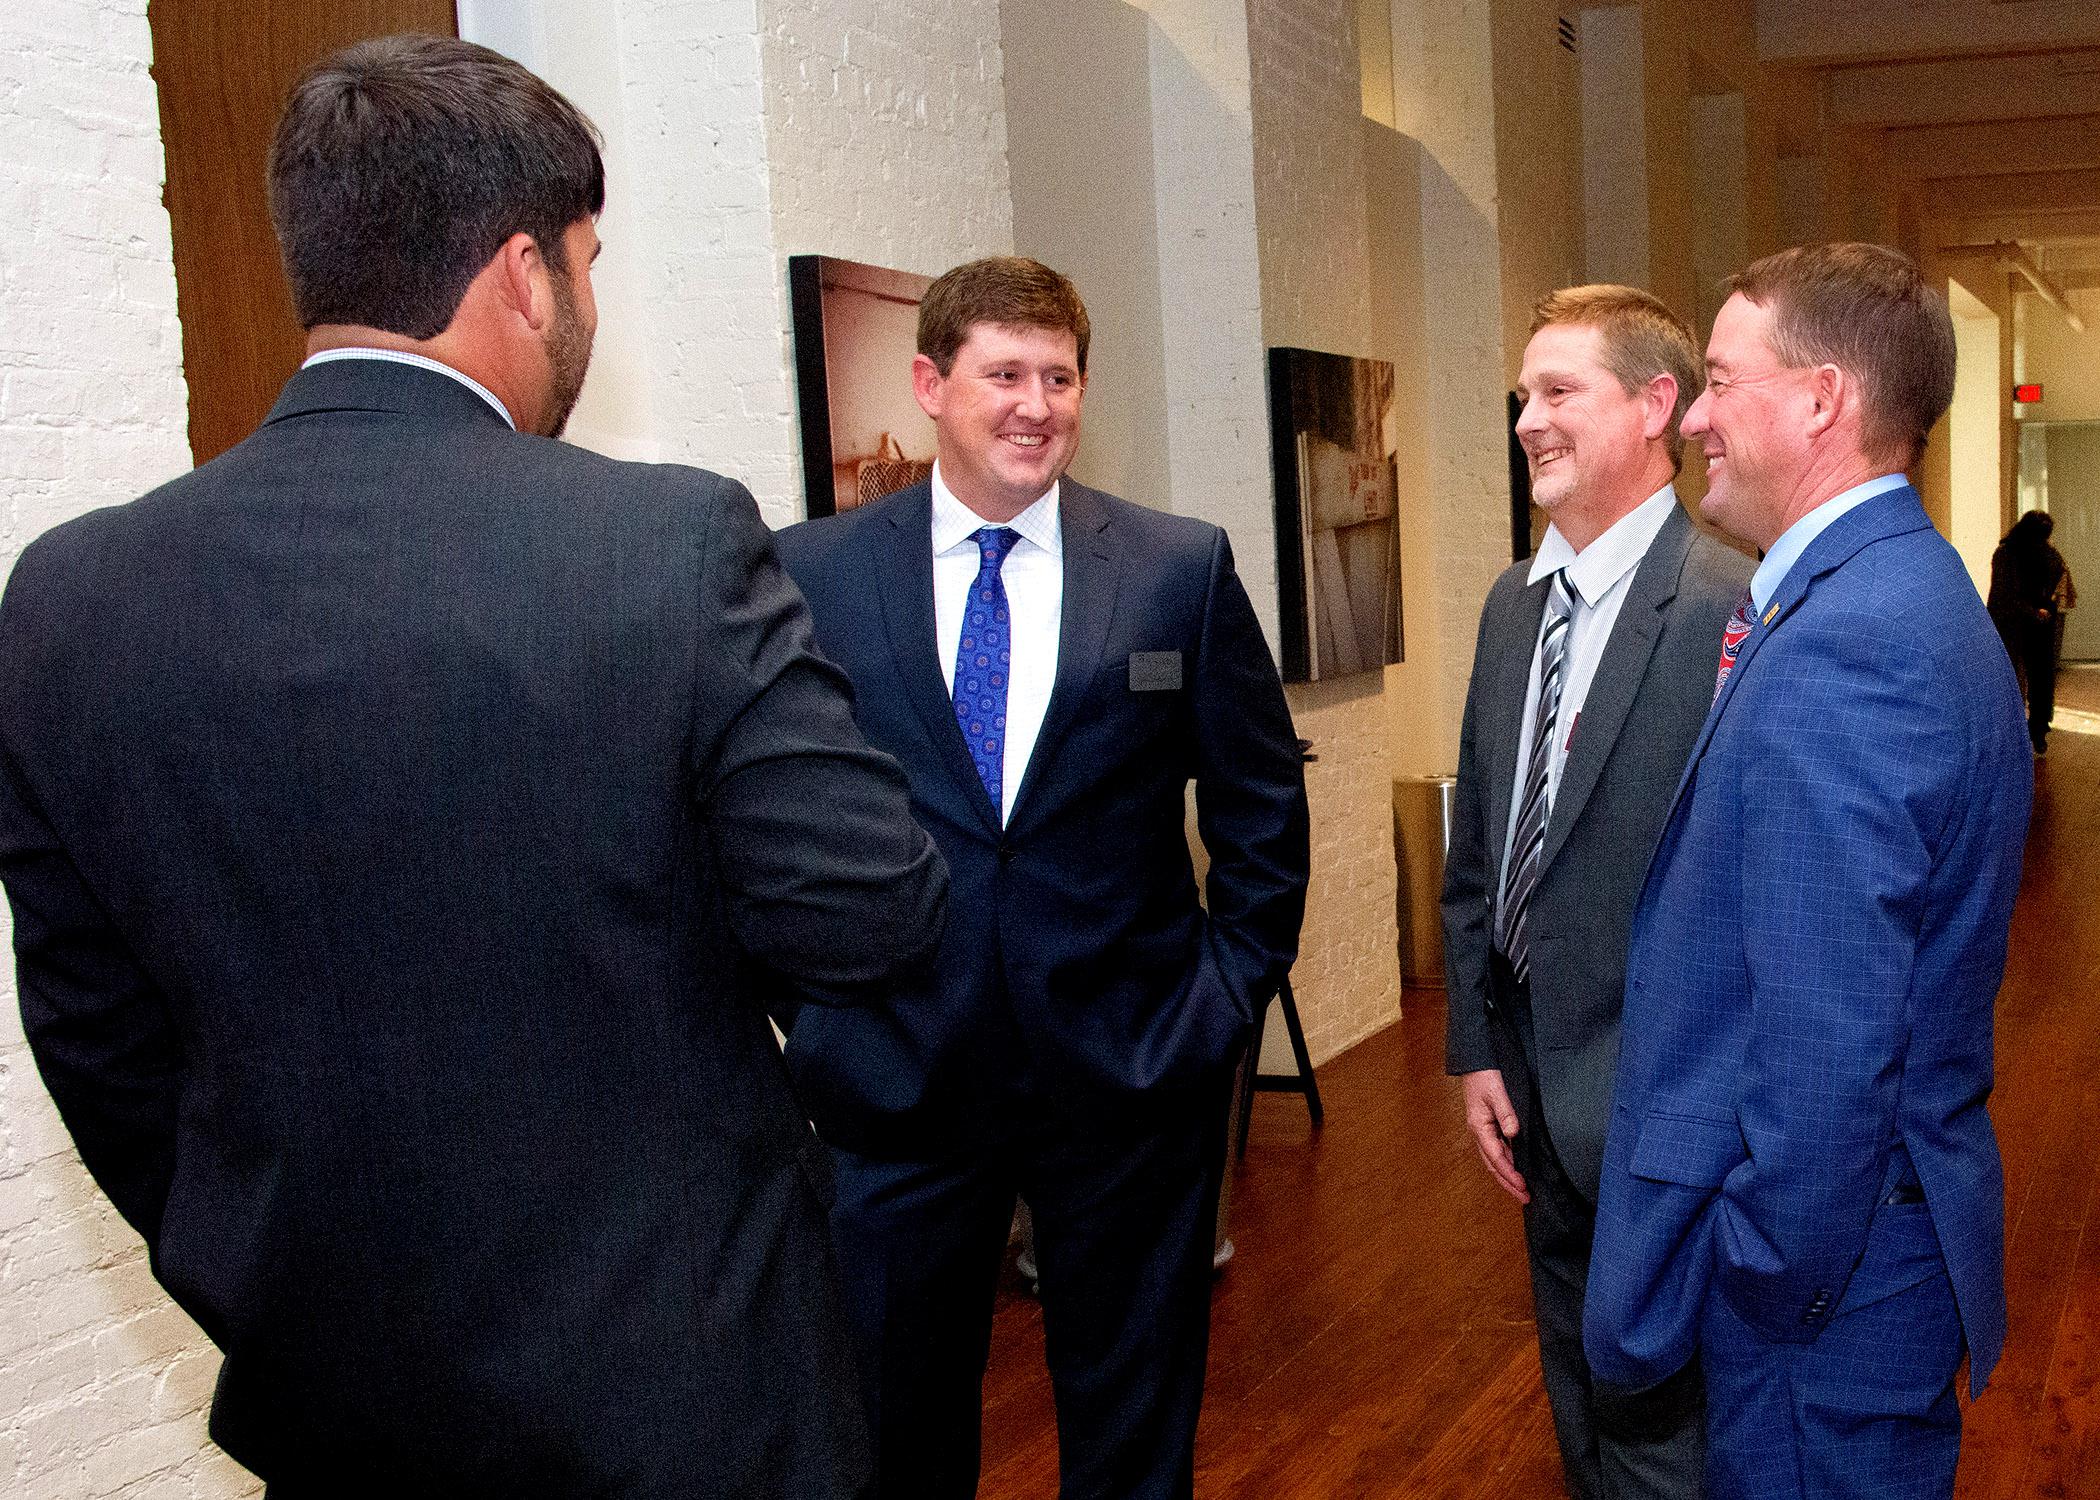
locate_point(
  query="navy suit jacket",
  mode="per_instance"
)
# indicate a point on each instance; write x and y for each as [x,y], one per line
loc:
[1075,936]
[406,822]
[1815,958]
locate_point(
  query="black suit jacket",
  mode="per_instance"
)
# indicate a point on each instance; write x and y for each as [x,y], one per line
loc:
[406,822]
[1076,938]
[1645,705]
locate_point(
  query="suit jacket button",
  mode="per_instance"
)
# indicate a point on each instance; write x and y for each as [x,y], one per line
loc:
[1006,854]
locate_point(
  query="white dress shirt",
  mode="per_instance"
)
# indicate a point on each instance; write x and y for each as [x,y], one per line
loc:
[1598,578]
[1034,576]
[418,361]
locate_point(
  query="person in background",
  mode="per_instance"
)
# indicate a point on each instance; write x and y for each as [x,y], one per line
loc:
[2030,590]
[1801,1186]
[1053,667]
[1591,677]
[408,822]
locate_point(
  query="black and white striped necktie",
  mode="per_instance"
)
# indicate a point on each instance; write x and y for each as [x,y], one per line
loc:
[1520,876]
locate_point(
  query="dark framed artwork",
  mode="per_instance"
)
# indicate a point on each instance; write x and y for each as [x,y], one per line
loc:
[1334,437]
[856,329]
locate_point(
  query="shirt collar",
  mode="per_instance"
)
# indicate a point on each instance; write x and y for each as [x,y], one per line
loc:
[418,361]
[955,523]
[1596,570]
[1794,541]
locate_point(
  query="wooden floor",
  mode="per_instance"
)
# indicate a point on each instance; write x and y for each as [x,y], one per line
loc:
[1373,1335]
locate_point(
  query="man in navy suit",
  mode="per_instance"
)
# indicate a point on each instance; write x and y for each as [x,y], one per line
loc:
[1801,1184]
[1053,667]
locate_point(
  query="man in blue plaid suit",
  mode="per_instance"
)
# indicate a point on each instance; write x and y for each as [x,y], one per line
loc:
[1801,1185]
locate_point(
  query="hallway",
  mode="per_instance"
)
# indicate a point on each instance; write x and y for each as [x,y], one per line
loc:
[1373,1335]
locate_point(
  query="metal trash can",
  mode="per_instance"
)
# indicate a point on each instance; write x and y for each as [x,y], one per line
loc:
[1421,835]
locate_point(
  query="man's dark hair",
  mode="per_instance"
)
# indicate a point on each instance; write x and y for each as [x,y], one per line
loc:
[1868,310]
[402,164]
[1006,291]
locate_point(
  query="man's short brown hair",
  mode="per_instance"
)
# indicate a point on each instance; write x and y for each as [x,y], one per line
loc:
[402,164]
[1868,310]
[1006,291]
[1639,338]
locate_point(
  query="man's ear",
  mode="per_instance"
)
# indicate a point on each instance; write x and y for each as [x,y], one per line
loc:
[1658,406]
[1832,390]
[927,385]
[521,281]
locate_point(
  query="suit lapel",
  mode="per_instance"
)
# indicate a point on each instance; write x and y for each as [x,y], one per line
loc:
[1618,677]
[905,578]
[1091,581]
[1890,514]
[1505,712]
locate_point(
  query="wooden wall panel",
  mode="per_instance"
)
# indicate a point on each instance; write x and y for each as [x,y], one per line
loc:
[223,68]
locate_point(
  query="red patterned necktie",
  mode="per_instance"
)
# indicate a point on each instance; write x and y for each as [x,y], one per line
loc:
[1733,637]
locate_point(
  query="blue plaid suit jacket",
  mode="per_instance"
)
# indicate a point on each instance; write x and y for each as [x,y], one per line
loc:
[1814,962]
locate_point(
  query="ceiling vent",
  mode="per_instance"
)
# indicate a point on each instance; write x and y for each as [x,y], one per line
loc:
[1566,30]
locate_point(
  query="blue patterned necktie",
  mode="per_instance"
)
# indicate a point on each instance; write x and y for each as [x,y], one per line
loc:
[982,657]
[1520,876]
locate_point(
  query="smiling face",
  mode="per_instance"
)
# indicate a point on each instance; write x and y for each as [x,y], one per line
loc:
[1754,421]
[1005,416]
[1595,450]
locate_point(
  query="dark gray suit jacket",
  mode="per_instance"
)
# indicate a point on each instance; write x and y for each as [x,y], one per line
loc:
[407,823]
[1645,705]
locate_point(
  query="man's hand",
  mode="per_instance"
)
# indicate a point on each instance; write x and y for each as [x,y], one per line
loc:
[1493,1122]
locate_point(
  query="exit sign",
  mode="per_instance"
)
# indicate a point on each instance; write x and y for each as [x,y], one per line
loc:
[2027,395]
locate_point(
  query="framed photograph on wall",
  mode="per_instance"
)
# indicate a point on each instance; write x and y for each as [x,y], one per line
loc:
[856,329]
[1334,438]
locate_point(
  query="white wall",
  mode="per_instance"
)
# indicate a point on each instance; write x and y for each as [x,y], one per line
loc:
[103,1382]
[738,133]
[1614,146]
[1084,203]
[1210,281]
[1312,189]
[1972,432]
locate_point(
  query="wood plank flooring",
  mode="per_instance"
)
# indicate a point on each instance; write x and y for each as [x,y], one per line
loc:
[1373,1335]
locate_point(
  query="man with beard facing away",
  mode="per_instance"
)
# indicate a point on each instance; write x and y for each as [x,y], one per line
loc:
[1592,674]
[408,821]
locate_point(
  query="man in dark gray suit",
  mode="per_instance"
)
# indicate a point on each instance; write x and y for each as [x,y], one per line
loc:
[408,822]
[1592,674]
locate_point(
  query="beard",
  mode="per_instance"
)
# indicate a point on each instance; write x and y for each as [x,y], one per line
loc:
[568,354]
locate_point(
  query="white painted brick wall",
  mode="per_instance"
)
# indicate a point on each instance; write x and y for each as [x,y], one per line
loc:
[885,130]
[760,129]
[886,127]
[1313,231]
[103,1381]
[714,289]
[1309,174]
[1210,282]
[1462,296]
[1348,976]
